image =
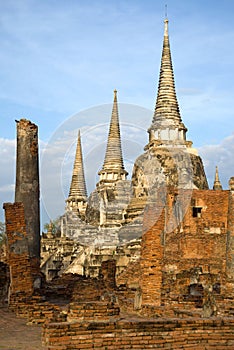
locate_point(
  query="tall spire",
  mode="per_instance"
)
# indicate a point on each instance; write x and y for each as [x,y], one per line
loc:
[217,184]
[167,114]
[78,190]
[113,162]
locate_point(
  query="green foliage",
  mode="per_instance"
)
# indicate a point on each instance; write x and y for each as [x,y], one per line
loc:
[47,227]
[54,225]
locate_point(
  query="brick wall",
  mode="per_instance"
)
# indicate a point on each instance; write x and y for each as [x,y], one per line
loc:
[24,271]
[92,311]
[173,334]
[183,257]
[151,257]
[194,264]
[230,237]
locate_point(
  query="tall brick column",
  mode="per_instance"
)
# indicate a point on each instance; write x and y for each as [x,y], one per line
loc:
[27,182]
[230,235]
[152,252]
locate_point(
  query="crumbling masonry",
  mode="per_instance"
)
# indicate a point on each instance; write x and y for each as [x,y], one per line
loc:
[163,275]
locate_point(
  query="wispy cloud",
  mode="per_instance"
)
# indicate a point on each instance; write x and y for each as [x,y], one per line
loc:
[221,155]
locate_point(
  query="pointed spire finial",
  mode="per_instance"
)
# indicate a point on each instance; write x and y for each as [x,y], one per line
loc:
[217,184]
[115,96]
[166,22]
[113,158]
[166,27]
[167,120]
[78,186]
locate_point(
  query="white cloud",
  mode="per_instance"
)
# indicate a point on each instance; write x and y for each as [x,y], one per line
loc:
[221,155]
[9,188]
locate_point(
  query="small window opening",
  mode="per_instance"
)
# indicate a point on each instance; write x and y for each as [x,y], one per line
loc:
[196,289]
[197,212]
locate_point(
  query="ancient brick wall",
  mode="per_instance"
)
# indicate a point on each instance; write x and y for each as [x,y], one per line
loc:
[194,264]
[151,256]
[230,236]
[24,271]
[92,311]
[183,257]
[173,334]
[201,232]
[130,275]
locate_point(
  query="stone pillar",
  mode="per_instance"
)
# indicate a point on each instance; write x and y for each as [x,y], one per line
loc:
[27,182]
[230,234]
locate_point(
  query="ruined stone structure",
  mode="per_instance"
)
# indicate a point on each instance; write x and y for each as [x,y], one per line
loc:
[169,159]
[77,199]
[185,269]
[217,184]
[22,218]
[98,218]
[27,181]
[159,247]
[167,204]
[165,222]
[112,190]
[113,213]
[25,276]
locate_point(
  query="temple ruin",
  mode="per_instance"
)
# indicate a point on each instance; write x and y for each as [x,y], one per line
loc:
[145,263]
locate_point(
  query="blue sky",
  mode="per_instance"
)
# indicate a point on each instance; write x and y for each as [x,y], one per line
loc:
[59,58]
